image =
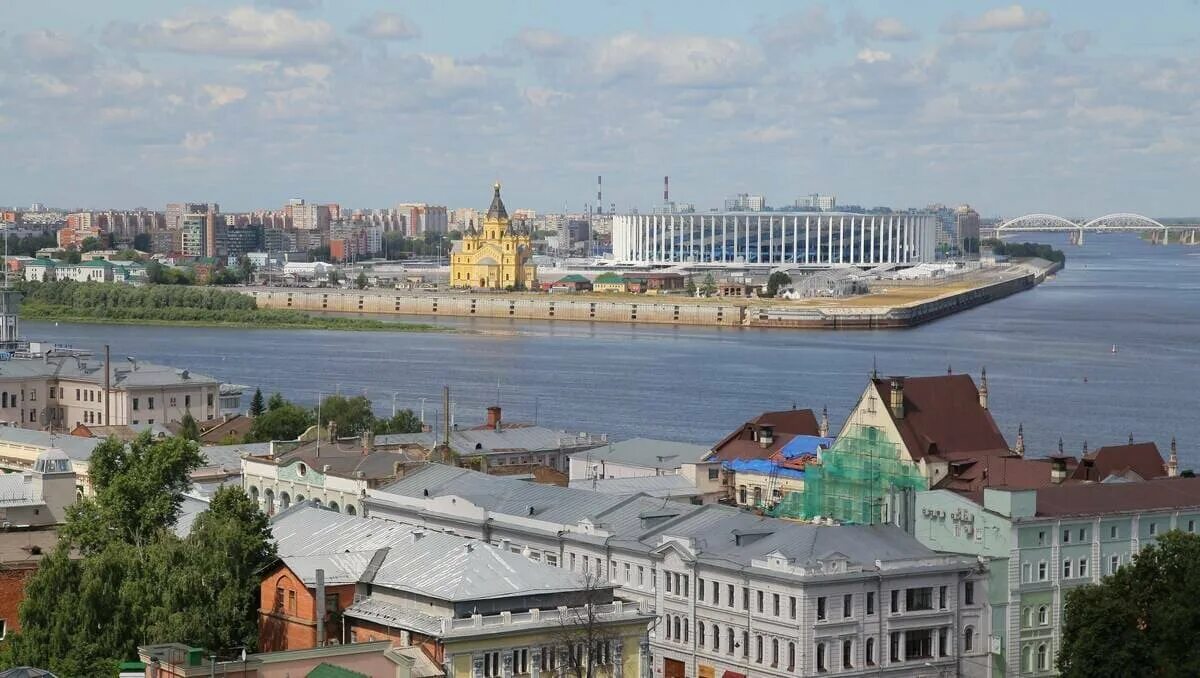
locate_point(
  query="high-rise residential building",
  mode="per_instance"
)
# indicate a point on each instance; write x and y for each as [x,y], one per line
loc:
[310,217]
[177,210]
[422,218]
[37,207]
[79,226]
[816,201]
[966,222]
[238,240]
[192,241]
[744,202]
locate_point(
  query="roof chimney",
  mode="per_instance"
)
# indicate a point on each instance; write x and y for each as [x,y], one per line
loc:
[1058,470]
[897,397]
[766,435]
[983,390]
[1173,461]
[493,418]
[368,442]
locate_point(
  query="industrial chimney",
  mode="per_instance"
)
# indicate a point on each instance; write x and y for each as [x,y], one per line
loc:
[897,397]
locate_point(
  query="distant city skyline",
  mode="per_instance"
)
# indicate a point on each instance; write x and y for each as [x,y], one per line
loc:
[1075,110]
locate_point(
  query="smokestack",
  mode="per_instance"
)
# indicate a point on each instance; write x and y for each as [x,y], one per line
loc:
[897,397]
[320,607]
[599,198]
[666,189]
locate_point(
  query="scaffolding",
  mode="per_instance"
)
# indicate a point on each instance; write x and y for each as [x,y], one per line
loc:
[860,480]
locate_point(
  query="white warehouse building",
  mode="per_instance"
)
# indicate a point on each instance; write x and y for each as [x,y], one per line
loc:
[775,238]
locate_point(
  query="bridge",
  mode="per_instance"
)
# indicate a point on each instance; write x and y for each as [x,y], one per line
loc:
[1119,222]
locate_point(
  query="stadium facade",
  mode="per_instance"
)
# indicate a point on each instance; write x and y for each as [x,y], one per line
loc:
[775,238]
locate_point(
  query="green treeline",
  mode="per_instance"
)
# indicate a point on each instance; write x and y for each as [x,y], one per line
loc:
[108,302]
[1027,249]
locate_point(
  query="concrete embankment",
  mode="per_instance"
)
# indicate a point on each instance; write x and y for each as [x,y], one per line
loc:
[861,313]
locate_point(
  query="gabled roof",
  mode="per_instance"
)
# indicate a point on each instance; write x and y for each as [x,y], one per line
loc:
[1143,459]
[942,416]
[609,277]
[742,443]
[646,453]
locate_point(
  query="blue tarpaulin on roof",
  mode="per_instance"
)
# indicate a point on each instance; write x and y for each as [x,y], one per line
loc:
[762,466]
[802,445]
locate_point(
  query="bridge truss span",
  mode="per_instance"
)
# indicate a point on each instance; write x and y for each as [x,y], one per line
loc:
[1123,221]
[1118,221]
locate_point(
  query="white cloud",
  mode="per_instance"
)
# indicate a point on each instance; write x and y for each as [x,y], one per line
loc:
[540,97]
[197,141]
[240,32]
[682,61]
[1077,41]
[47,46]
[223,95]
[386,26]
[891,28]
[52,86]
[873,56]
[798,32]
[769,135]
[543,42]
[1010,19]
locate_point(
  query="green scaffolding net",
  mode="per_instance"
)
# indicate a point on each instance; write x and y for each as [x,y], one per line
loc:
[855,482]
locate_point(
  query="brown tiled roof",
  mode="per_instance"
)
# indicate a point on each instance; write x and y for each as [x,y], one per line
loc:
[787,424]
[942,417]
[1093,498]
[1141,458]
[217,430]
[971,473]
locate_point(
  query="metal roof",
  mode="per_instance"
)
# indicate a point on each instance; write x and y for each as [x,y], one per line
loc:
[507,440]
[670,485]
[394,616]
[123,375]
[646,452]
[424,562]
[77,448]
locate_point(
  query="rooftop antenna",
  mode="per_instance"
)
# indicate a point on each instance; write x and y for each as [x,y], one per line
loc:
[599,196]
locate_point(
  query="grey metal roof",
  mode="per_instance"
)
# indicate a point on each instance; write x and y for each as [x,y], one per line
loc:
[76,447]
[230,456]
[15,491]
[507,440]
[670,485]
[394,616]
[428,563]
[646,452]
[189,509]
[122,375]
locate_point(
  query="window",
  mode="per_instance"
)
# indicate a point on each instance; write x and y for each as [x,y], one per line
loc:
[1043,660]
[729,592]
[1042,570]
[716,593]
[714,473]
[791,657]
[653,579]
[821,608]
[1112,532]
[742,494]
[700,632]
[943,641]
[291,601]
[1026,663]
[573,568]
[870,602]
[775,604]
[520,661]
[1066,568]
[677,634]
[187,400]
[150,402]
[33,394]
[1043,616]
[942,598]
[641,574]
[1114,563]
[870,652]
[210,399]
[847,654]
[821,657]
[968,639]
[699,588]
[77,395]
[173,401]
[667,623]
[716,638]
[969,593]
[668,578]
[491,665]
[918,644]
[895,601]
[792,606]
[894,646]
[746,598]
[918,599]
[1191,523]
[1082,571]
[774,652]
[1153,531]
[1027,617]
[1026,572]
[760,601]
[758,649]
[745,641]
[1041,538]
[549,659]
[1082,534]
[848,605]
[1066,536]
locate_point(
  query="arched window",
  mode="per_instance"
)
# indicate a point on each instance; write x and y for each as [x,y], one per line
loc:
[1026,664]
[758,649]
[968,639]
[667,621]
[716,637]
[299,499]
[774,652]
[821,657]
[729,637]
[333,505]
[742,494]
[1043,659]
[254,493]
[870,651]
[700,632]
[1043,618]
[284,500]
[686,626]
[791,656]
[269,495]
[677,636]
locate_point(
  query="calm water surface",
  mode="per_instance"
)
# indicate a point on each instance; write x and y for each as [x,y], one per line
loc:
[1047,353]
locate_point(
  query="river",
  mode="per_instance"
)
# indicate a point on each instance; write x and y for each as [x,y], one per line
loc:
[1047,353]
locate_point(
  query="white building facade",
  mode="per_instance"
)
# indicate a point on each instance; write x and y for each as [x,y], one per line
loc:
[775,238]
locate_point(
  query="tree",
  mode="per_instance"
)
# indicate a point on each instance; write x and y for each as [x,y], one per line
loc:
[90,244]
[361,281]
[1141,620]
[775,281]
[691,286]
[246,269]
[276,401]
[283,422]
[351,415]
[73,256]
[403,421]
[188,428]
[142,242]
[257,406]
[334,277]
[709,287]
[582,641]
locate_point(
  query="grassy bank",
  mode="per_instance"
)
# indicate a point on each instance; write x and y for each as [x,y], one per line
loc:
[161,305]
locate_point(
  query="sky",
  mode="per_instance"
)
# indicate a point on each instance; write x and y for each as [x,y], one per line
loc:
[1077,109]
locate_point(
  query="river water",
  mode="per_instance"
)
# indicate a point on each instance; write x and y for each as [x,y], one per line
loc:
[1047,353]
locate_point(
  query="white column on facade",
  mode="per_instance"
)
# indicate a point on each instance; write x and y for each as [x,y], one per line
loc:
[842,239]
[862,241]
[795,238]
[817,248]
[829,245]
[758,245]
[808,249]
[691,238]
[736,245]
[747,247]
[874,227]
[852,240]
[675,244]
[724,236]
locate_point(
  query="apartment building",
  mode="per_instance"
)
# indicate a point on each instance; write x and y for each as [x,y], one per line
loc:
[735,594]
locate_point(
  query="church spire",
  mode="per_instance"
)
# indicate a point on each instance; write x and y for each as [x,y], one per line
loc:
[1173,460]
[1020,446]
[497,211]
[983,390]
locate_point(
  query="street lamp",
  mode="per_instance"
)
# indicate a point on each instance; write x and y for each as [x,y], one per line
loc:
[423,412]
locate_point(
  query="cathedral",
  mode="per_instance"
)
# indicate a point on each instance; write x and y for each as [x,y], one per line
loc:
[497,256]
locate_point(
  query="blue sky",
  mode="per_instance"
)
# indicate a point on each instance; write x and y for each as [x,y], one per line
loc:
[1072,108]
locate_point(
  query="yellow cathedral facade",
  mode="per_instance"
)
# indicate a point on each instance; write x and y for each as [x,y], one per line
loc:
[497,256]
